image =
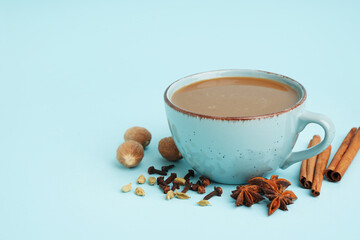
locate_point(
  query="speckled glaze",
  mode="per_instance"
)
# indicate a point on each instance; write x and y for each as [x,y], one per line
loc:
[234,149]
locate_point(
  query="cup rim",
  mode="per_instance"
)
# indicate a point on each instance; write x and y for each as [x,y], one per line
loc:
[246,118]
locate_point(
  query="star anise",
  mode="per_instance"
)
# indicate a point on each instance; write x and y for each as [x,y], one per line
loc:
[274,190]
[247,195]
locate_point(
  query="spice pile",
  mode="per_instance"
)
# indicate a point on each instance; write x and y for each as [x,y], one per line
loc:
[173,183]
[273,190]
[312,170]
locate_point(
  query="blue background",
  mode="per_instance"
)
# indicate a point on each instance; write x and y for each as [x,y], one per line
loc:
[75,75]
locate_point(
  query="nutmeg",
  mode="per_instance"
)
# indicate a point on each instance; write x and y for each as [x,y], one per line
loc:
[138,134]
[168,149]
[130,153]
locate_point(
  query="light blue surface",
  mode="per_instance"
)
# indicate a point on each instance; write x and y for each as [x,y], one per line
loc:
[75,75]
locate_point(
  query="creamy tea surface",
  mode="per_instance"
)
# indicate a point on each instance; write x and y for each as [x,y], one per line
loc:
[235,97]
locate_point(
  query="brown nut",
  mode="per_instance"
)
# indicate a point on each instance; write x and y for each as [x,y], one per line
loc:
[138,134]
[168,149]
[130,153]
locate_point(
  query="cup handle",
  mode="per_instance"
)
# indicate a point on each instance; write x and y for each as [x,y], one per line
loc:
[329,128]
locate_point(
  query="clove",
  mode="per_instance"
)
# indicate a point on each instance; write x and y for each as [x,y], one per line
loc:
[171,178]
[152,170]
[166,168]
[217,192]
[190,173]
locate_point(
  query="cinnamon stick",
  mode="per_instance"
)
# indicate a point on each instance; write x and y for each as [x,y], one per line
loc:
[303,172]
[347,158]
[339,154]
[321,164]
[310,166]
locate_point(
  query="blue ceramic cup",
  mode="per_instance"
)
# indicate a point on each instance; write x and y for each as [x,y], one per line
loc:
[234,149]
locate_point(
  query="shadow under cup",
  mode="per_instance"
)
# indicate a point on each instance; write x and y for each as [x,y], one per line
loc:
[234,149]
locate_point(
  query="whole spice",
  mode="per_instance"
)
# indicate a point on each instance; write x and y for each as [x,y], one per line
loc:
[152,180]
[152,170]
[166,168]
[179,180]
[201,189]
[141,179]
[165,188]
[138,134]
[339,154]
[280,182]
[204,203]
[217,192]
[338,172]
[320,167]
[163,185]
[247,195]
[193,186]
[126,188]
[139,191]
[190,173]
[168,149]
[274,190]
[176,185]
[181,195]
[205,181]
[160,181]
[303,171]
[310,164]
[171,178]
[170,194]
[187,187]
[130,154]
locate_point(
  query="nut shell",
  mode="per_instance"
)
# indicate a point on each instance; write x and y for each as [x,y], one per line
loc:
[168,149]
[130,153]
[138,134]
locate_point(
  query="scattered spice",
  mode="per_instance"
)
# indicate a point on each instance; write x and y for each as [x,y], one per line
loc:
[167,168]
[139,191]
[320,167]
[152,170]
[339,154]
[201,189]
[168,149]
[274,190]
[308,166]
[303,176]
[217,192]
[126,188]
[130,153]
[205,181]
[141,179]
[341,163]
[204,203]
[194,187]
[187,187]
[170,194]
[138,134]
[176,185]
[160,181]
[247,195]
[179,180]
[171,178]
[165,188]
[190,173]
[181,195]
[152,180]
[163,185]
